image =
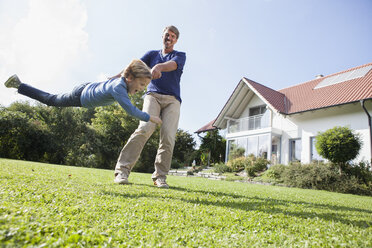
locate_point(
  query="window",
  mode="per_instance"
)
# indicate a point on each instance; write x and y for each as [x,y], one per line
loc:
[257,110]
[275,149]
[255,115]
[263,145]
[314,153]
[252,145]
[256,145]
[237,148]
[295,150]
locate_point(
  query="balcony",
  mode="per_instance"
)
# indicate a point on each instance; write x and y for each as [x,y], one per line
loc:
[249,123]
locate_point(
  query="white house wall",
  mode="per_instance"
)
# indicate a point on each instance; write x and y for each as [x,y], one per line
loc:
[254,102]
[310,123]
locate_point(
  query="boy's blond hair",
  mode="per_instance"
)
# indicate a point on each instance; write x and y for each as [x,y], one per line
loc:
[137,69]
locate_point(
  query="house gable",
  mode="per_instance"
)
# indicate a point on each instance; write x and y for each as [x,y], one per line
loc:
[300,98]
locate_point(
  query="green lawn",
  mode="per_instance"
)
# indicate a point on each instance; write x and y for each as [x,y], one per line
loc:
[61,206]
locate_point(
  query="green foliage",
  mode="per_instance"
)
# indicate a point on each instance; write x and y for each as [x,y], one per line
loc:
[184,147]
[204,157]
[338,145]
[221,168]
[274,174]
[176,164]
[250,164]
[79,136]
[237,164]
[214,143]
[254,165]
[236,152]
[311,176]
[21,137]
[357,179]
[45,205]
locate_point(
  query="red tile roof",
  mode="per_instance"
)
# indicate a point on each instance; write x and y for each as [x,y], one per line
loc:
[304,97]
[275,98]
[207,127]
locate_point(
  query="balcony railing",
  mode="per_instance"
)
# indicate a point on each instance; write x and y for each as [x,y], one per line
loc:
[249,123]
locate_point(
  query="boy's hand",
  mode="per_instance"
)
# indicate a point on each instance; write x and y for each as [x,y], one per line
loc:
[156,72]
[155,119]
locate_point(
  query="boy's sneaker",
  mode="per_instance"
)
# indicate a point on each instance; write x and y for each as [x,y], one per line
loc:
[161,183]
[13,82]
[121,178]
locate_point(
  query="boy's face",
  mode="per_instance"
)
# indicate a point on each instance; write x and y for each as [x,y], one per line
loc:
[137,85]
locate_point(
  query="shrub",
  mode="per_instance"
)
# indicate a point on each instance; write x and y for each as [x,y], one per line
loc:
[255,165]
[221,168]
[274,174]
[250,164]
[338,145]
[237,164]
[175,164]
[311,176]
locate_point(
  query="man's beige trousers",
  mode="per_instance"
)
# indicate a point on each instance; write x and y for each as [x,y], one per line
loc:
[168,109]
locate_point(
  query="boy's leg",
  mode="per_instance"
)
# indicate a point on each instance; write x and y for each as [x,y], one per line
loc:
[71,99]
[133,148]
[170,117]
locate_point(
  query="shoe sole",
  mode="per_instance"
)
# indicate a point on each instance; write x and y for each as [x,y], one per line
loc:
[9,83]
[165,186]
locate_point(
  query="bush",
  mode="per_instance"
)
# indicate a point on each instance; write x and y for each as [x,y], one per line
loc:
[255,165]
[310,176]
[357,179]
[274,174]
[221,168]
[175,164]
[237,164]
[338,145]
[250,164]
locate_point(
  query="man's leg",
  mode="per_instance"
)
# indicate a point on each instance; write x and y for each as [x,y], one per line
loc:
[133,148]
[170,117]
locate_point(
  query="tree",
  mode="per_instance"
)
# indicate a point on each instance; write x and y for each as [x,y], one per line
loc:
[184,147]
[339,145]
[214,143]
[21,137]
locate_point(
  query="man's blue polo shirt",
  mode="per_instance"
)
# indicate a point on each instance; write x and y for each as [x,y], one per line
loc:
[169,83]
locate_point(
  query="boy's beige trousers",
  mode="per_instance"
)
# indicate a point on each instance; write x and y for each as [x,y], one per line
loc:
[168,108]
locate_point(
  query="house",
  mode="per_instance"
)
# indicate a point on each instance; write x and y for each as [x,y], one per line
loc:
[281,125]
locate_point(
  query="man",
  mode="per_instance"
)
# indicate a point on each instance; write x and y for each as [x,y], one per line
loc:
[162,99]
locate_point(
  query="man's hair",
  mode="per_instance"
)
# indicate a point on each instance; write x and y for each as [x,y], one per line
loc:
[173,29]
[138,69]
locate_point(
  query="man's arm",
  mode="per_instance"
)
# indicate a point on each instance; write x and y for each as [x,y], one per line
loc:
[163,67]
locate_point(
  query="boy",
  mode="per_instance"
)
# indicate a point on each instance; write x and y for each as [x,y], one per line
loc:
[134,78]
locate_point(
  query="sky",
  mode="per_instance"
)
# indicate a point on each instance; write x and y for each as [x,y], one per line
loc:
[55,45]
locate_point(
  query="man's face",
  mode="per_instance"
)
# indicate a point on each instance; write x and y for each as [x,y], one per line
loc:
[137,85]
[169,39]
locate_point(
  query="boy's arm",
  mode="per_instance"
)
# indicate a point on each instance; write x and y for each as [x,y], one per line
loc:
[163,67]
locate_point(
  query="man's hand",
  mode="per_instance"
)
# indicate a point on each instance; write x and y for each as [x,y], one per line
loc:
[156,72]
[155,119]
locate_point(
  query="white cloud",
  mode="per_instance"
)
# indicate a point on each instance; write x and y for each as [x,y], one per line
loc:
[43,45]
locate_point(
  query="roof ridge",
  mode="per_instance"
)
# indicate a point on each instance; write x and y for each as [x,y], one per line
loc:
[264,86]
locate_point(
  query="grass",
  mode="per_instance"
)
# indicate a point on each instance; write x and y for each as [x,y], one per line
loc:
[44,205]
